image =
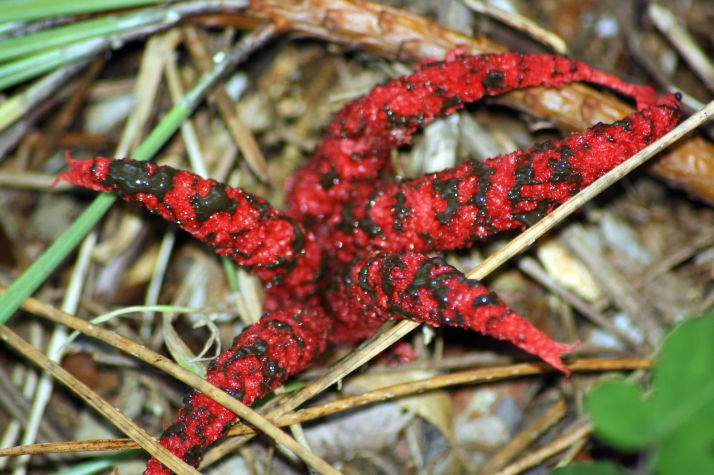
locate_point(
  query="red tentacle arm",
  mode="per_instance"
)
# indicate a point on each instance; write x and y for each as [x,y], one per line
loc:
[234,222]
[358,140]
[452,208]
[427,289]
[262,357]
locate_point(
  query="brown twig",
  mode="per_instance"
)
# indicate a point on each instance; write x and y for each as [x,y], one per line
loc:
[144,354]
[107,410]
[531,267]
[483,375]
[520,23]
[99,445]
[196,43]
[558,445]
[525,438]
[669,25]
[67,114]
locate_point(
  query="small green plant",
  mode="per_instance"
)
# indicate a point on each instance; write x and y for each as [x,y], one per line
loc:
[674,420]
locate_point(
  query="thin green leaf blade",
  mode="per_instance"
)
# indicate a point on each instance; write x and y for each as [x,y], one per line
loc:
[24,10]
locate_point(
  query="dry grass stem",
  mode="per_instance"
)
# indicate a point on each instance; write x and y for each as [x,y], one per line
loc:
[536,272]
[520,23]
[196,43]
[483,375]
[166,365]
[70,447]
[122,422]
[525,438]
[558,445]
[683,41]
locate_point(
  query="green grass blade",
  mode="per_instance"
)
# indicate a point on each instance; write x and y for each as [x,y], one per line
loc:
[46,50]
[9,27]
[74,32]
[39,270]
[18,71]
[104,26]
[24,10]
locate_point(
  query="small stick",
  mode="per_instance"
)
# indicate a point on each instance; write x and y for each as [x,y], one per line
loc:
[524,438]
[681,39]
[535,271]
[558,445]
[122,422]
[520,23]
[193,380]
[473,376]
[196,44]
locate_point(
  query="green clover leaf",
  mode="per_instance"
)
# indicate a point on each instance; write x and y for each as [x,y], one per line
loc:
[675,421]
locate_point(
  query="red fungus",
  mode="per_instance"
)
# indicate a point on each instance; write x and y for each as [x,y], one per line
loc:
[339,210]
